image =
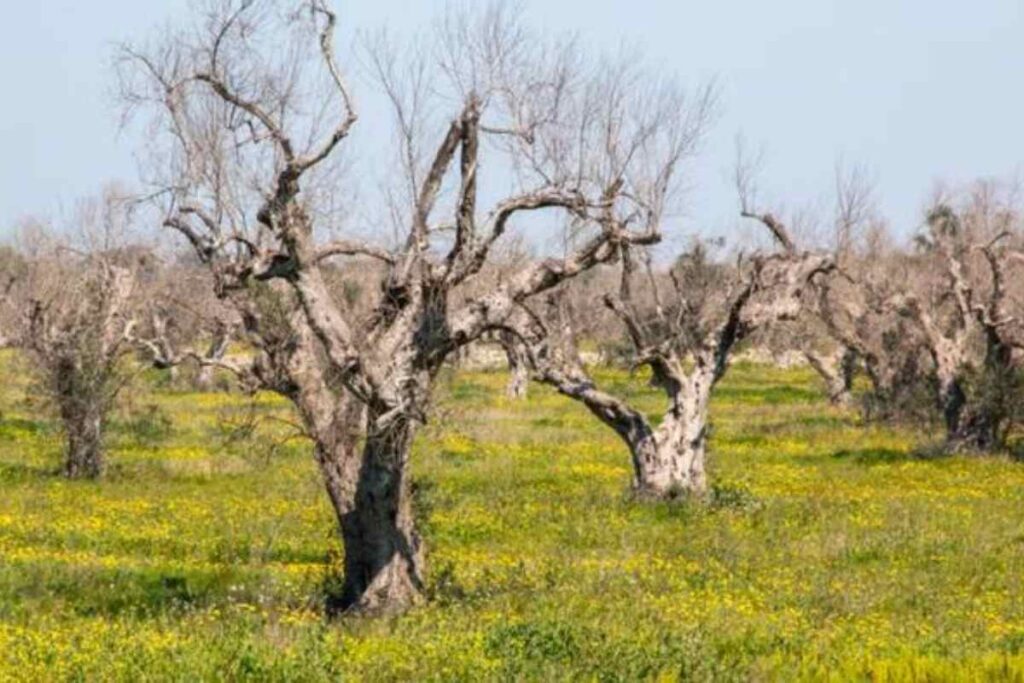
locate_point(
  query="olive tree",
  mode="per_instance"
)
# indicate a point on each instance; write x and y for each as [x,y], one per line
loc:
[685,336]
[968,316]
[250,111]
[76,316]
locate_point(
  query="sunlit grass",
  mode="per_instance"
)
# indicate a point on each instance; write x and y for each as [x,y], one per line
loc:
[829,550]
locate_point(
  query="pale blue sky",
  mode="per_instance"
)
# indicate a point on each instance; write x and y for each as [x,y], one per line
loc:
[916,90]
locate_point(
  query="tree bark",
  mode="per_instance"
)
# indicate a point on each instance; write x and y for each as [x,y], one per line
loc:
[969,428]
[837,371]
[84,433]
[218,347]
[671,462]
[673,465]
[367,487]
[383,558]
[519,374]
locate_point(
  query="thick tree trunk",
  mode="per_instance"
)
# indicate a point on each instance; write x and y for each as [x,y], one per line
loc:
[670,460]
[837,371]
[84,433]
[669,468]
[383,558]
[969,428]
[974,432]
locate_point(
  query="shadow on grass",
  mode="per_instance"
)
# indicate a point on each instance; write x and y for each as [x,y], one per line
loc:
[883,456]
[14,428]
[771,395]
[16,472]
[141,592]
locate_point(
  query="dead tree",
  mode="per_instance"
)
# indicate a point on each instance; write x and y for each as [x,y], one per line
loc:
[970,331]
[75,338]
[161,344]
[863,315]
[686,341]
[589,144]
[858,308]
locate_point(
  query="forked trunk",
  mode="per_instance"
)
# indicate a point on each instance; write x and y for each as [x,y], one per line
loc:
[670,460]
[383,558]
[84,456]
[670,468]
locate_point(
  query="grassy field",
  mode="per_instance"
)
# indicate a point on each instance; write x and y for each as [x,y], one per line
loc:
[829,551]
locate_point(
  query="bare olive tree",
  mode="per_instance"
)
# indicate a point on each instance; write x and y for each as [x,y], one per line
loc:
[854,318]
[77,316]
[685,337]
[181,322]
[250,111]
[861,310]
[968,317]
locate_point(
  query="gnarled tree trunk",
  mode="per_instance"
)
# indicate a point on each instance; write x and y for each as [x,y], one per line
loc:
[668,460]
[366,483]
[383,558]
[671,461]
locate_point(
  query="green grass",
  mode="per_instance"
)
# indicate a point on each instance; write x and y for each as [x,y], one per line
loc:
[829,550]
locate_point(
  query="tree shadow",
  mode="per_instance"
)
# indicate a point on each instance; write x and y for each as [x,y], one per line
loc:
[772,395]
[17,472]
[139,592]
[14,428]
[885,456]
